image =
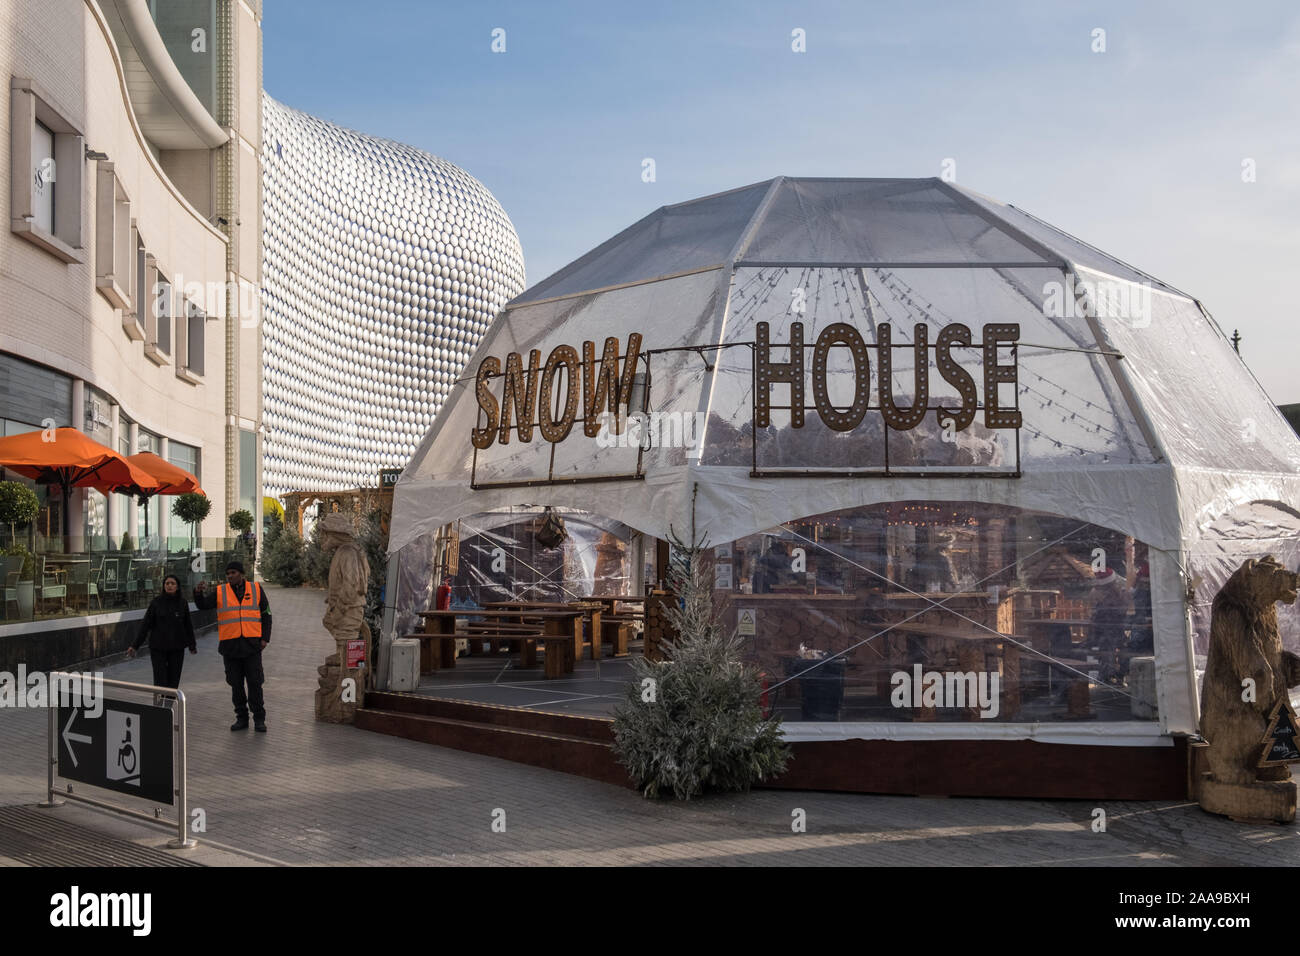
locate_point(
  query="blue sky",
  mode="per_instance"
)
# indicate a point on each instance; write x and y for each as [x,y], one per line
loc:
[1138,149]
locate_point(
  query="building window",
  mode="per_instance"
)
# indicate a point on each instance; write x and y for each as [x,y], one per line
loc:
[248,471]
[47,156]
[158,314]
[146,441]
[189,32]
[114,258]
[187,457]
[43,177]
[189,343]
[134,319]
[33,394]
[123,502]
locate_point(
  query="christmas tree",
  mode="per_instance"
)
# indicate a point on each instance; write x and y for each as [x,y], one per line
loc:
[692,722]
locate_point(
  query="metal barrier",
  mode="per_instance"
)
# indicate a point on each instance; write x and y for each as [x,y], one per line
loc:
[181,840]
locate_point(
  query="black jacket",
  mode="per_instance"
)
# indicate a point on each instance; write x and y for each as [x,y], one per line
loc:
[242,646]
[166,625]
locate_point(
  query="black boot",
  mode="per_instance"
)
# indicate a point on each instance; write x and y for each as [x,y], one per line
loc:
[240,724]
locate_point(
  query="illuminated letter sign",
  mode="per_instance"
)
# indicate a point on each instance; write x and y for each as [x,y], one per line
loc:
[768,373]
[604,386]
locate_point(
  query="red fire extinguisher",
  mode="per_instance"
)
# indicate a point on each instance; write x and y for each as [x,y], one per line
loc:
[444,595]
[763,703]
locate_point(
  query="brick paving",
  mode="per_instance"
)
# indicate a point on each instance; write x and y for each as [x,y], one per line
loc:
[309,793]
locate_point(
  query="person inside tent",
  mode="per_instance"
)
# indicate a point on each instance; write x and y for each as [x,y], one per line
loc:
[1108,632]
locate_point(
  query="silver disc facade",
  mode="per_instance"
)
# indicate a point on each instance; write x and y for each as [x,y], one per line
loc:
[383,265]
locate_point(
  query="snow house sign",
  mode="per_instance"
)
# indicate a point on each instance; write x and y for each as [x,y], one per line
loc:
[530,398]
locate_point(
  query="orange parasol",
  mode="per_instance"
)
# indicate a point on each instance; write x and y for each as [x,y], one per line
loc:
[69,459]
[168,479]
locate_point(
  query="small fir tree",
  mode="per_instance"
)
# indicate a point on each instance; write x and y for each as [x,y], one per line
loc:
[282,555]
[315,560]
[693,722]
[375,543]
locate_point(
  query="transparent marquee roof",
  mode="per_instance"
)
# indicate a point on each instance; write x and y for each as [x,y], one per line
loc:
[1136,411]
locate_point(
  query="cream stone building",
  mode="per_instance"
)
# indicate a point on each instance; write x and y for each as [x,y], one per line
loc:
[130,268]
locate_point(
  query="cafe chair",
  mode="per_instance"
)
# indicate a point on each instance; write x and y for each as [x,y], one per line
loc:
[83,584]
[11,568]
[51,585]
[130,583]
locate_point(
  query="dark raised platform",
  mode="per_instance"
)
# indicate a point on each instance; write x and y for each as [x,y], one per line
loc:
[978,768]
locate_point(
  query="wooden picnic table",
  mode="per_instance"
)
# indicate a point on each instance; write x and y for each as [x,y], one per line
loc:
[589,609]
[612,602]
[555,624]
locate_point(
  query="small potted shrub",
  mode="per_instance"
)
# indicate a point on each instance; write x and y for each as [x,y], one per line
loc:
[192,508]
[20,506]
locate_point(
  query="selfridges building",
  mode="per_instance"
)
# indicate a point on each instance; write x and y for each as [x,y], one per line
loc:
[383,266]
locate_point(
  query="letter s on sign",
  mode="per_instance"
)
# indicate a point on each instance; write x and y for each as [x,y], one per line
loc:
[482,437]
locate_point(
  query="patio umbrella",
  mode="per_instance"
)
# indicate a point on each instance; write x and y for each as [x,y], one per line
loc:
[168,479]
[70,460]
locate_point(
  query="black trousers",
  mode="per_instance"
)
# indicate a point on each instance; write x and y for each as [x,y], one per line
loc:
[167,667]
[241,670]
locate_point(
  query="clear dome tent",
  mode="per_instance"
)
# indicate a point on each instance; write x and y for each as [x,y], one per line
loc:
[1140,435]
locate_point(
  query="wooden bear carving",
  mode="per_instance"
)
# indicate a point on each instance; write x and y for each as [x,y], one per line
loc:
[1245,644]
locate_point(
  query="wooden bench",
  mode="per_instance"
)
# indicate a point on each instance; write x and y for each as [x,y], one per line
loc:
[615,632]
[496,633]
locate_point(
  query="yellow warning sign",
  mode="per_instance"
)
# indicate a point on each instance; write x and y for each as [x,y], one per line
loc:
[747,622]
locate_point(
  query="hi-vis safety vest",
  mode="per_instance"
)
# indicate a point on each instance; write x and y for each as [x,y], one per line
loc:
[237,618]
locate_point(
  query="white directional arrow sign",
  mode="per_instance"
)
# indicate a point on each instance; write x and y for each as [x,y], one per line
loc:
[69,737]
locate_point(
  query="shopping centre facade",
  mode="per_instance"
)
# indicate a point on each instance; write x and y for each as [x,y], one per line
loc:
[384,265]
[130,268]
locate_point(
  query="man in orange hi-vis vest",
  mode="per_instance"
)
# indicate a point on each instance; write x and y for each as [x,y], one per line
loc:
[243,630]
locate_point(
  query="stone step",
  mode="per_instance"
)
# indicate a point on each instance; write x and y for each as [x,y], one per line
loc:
[600,729]
[567,753]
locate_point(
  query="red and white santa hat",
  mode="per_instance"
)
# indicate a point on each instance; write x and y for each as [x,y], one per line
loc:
[1105,577]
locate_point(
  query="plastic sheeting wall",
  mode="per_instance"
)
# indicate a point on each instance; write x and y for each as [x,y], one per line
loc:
[501,559]
[930,611]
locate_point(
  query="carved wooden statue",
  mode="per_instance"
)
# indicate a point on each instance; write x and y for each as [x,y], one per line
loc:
[345,606]
[1246,674]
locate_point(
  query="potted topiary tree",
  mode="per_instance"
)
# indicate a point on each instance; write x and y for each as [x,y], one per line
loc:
[20,506]
[241,522]
[192,508]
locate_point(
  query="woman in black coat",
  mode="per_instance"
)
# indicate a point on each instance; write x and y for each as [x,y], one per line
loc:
[168,629]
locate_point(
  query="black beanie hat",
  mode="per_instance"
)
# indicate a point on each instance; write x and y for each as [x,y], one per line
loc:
[235,566]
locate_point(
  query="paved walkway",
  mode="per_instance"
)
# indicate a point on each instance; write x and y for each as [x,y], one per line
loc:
[309,793]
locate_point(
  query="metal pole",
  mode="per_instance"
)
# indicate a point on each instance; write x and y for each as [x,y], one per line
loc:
[182,841]
[52,757]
